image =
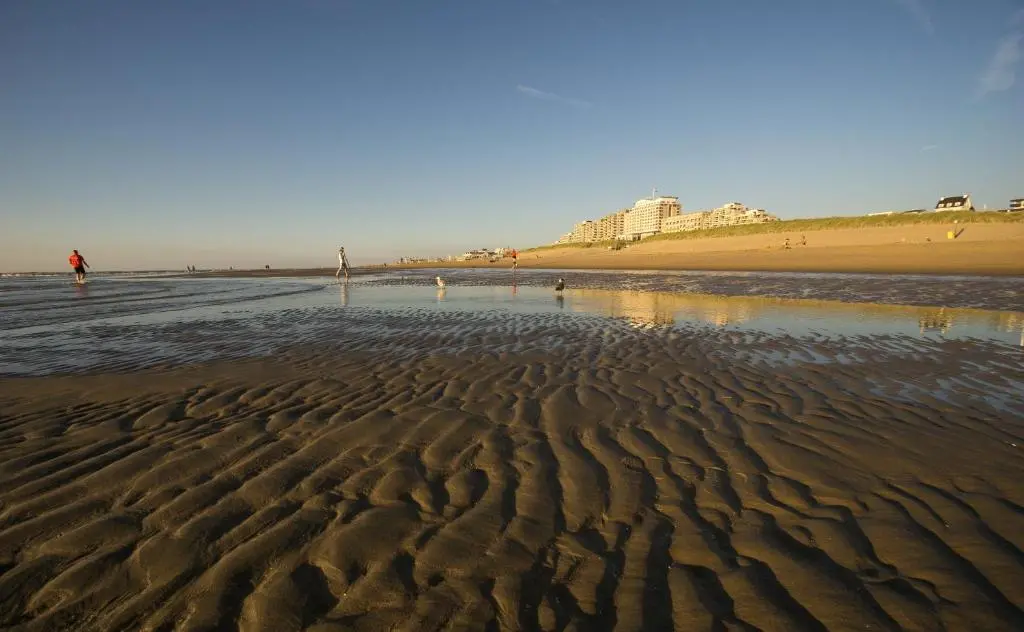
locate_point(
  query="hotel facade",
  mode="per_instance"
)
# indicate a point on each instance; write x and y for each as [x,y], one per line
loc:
[646,216]
[584,231]
[731,214]
[660,214]
[612,225]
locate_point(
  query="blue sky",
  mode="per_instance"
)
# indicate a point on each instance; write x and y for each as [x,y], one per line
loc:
[250,132]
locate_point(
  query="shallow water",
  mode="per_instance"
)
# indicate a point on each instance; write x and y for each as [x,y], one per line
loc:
[995,293]
[49,325]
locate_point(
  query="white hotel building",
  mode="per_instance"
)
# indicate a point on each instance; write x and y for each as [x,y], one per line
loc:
[661,214]
[731,214]
[646,216]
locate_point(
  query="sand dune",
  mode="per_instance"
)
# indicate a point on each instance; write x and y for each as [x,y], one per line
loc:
[636,481]
[981,249]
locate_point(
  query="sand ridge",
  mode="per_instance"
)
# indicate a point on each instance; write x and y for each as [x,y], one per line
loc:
[981,249]
[624,480]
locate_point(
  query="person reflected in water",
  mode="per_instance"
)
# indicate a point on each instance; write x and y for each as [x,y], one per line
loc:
[344,294]
[560,300]
[441,293]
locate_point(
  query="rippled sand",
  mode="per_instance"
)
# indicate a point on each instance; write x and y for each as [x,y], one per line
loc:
[419,470]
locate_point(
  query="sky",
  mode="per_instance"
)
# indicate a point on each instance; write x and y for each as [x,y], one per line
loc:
[157,135]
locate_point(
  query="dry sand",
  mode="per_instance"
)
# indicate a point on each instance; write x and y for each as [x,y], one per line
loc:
[987,249]
[629,482]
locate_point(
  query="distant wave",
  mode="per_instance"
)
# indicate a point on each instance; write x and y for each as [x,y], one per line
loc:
[146,273]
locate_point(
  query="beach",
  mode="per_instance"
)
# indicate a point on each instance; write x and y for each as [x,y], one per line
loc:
[981,249]
[646,451]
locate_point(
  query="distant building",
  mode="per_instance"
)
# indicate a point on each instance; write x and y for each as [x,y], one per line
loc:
[955,203]
[685,222]
[647,215]
[611,226]
[735,214]
[731,214]
[657,214]
[1016,205]
[585,231]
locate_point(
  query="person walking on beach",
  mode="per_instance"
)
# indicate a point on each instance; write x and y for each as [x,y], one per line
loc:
[79,264]
[342,264]
[515,258]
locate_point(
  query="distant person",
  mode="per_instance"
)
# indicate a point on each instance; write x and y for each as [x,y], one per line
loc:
[803,240]
[79,264]
[342,264]
[515,258]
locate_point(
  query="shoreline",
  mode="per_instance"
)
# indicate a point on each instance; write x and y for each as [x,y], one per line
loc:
[750,261]
[981,249]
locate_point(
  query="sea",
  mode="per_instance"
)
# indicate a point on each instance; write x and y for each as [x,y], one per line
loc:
[128,321]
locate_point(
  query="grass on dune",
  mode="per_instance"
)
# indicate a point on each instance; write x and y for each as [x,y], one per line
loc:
[591,244]
[823,223]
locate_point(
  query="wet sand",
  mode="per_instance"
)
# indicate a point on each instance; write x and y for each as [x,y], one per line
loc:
[461,471]
[982,249]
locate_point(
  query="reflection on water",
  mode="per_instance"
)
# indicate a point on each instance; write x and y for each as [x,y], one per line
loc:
[938,321]
[1011,322]
[344,293]
[662,309]
[656,309]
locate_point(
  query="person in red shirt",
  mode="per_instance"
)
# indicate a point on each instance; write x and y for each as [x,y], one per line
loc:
[78,262]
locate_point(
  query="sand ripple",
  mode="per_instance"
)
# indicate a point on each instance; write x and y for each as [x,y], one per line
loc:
[416,472]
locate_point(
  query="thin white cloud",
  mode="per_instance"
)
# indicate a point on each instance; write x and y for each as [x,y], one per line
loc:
[929,147]
[1001,72]
[919,10]
[551,96]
